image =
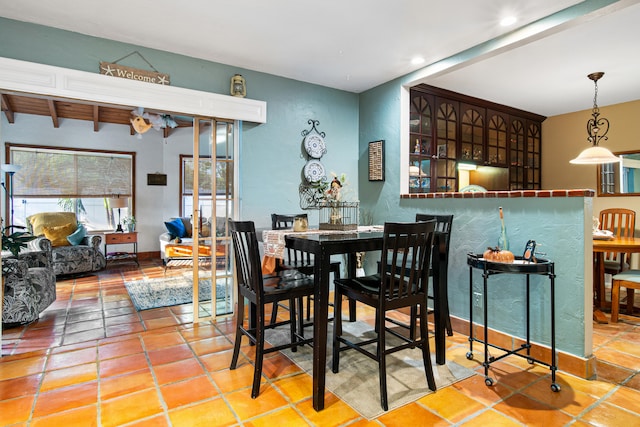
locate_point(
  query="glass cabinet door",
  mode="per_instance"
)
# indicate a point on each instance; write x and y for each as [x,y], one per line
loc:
[421,137]
[472,134]
[497,128]
[447,117]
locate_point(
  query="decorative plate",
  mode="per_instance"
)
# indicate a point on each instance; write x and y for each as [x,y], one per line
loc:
[314,144]
[314,171]
[473,189]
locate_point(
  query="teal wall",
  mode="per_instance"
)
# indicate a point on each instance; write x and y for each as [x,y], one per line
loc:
[272,156]
[557,224]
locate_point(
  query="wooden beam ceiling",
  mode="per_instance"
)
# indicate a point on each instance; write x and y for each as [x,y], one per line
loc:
[59,109]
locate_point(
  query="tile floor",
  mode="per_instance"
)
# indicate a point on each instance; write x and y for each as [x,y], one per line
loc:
[92,359]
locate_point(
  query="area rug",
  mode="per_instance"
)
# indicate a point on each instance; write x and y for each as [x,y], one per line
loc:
[166,292]
[357,383]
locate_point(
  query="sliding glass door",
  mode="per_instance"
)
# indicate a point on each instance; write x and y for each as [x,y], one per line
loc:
[213,204]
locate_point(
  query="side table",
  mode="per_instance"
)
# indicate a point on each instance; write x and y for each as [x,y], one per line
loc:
[119,238]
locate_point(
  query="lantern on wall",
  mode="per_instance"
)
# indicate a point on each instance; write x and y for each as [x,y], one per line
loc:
[238,86]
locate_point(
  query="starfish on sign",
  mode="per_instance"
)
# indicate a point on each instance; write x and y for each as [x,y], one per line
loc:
[108,71]
[162,80]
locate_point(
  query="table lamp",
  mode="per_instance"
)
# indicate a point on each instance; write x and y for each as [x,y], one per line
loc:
[119,203]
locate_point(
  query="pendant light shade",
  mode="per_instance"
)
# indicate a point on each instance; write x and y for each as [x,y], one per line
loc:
[595,156]
[597,128]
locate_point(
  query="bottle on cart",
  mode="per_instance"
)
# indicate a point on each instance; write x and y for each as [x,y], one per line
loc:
[503,240]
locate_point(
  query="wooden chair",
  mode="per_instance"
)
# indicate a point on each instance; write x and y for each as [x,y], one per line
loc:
[622,222]
[443,227]
[630,279]
[298,260]
[402,283]
[260,291]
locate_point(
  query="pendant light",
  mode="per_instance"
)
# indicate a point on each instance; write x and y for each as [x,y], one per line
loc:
[597,128]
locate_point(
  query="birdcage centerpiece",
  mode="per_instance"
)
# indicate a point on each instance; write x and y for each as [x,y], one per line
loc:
[334,212]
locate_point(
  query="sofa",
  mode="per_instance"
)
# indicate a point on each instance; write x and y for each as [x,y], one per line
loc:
[73,250]
[179,231]
[29,285]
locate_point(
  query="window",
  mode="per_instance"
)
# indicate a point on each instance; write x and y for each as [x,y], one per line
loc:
[62,179]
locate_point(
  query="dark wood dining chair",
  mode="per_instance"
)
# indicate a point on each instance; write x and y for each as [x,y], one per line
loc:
[301,261]
[629,279]
[260,291]
[622,223]
[440,262]
[402,283]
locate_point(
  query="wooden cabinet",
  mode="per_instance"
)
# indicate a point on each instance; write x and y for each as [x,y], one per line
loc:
[118,238]
[447,128]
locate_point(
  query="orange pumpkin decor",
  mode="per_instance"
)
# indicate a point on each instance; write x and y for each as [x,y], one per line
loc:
[498,255]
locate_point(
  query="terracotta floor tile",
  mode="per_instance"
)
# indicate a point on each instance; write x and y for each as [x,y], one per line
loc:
[531,413]
[90,335]
[188,391]
[412,414]
[335,412]
[239,378]
[158,341]
[476,388]
[162,322]
[136,351]
[568,400]
[69,376]
[220,360]
[62,399]
[282,417]
[278,365]
[85,416]
[626,398]
[296,387]
[124,384]
[211,345]
[213,412]
[121,348]
[176,371]
[245,407]
[491,418]
[21,368]
[609,415]
[122,365]
[618,358]
[16,410]
[131,407]
[170,354]
[21,386]
[71,358]
[124,329]
[450,404]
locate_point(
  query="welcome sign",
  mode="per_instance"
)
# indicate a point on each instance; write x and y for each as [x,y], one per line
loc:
[117,70]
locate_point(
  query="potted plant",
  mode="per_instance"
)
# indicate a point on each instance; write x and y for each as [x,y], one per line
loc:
[130,222]
[15,241]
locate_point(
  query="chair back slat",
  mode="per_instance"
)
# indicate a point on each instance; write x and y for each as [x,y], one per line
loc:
[622,223]
[247,258]
[406,255]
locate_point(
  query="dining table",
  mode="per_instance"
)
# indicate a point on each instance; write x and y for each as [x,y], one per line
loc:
[323,246]
[600,247]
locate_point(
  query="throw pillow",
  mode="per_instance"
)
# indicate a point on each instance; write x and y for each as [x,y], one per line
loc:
[50,219]
[76,237]
[176,228]
[58,234]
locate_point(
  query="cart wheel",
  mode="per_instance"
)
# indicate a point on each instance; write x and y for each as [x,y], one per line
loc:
[488,381]
[555,387]
[530,360]
[469,355]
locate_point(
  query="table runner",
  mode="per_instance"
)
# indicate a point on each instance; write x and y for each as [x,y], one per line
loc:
[274,240]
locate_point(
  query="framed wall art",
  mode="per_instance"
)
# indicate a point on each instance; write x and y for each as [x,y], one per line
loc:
[376,161]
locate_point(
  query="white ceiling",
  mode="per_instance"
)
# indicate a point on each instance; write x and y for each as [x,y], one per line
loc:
[355,45]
